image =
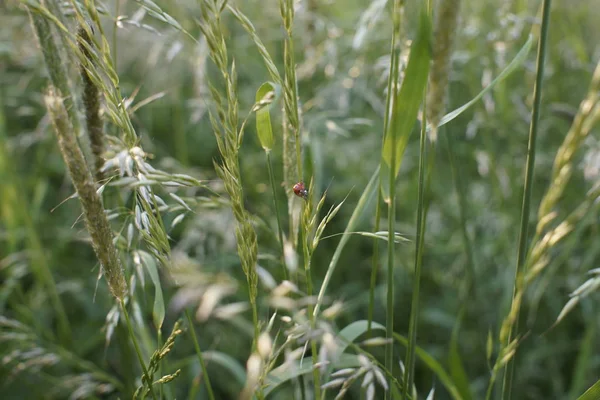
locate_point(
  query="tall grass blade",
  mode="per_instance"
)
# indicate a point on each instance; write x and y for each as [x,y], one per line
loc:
[406,107]
[529,169]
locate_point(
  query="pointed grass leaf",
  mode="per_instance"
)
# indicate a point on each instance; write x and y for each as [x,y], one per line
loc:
[158,310]
[406,107]
[267,94]
[593,393]
[514,64]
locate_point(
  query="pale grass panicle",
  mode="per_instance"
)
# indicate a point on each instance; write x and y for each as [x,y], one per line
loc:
[225,126]
[549,232]
[369,374]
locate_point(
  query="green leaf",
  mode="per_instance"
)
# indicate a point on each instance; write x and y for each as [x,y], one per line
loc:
[408,100]
[593,393]
[158,311]
[267,94]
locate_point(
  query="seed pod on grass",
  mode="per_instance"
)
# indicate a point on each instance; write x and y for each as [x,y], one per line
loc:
[93,210]
[445,32]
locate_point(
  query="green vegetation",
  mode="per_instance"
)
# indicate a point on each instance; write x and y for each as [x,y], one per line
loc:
[299,199]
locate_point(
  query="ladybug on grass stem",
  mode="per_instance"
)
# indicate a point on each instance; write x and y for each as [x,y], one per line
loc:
[300,190]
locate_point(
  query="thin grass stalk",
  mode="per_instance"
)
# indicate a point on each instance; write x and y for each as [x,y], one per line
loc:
[531,149]
[374,265]
[307,253]
[409,366]
[209,389]
[393,90]
[138,351]
[279,228]
[389,320]
[395,52]
[292,144]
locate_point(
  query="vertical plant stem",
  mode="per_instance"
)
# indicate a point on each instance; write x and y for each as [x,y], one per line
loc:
[374,265]
[389,320]
[137,348]
[389,119]
[421,217]
[529,169]
[211,396]
[309,291]
[279,229]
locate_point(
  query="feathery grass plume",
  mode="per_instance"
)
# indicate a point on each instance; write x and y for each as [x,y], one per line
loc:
[545,239]
[95,58]
[93,211]
[445,32]
[228,142]
[292,142]
[587,115]
[91,104]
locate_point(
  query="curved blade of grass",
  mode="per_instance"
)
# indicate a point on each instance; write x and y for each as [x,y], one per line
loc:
[514,64]
[359,211]
[406,108]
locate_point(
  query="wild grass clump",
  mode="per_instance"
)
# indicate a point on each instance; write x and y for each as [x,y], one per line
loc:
[165,114]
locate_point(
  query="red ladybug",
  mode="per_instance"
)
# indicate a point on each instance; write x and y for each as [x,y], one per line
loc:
[300,190]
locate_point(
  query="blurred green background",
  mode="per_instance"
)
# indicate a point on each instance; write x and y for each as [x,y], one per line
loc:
[342,52]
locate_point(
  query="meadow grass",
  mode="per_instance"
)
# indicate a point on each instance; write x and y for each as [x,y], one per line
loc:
[287,295]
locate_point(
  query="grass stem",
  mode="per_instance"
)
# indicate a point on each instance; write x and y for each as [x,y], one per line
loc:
[529,169]
[211,396]
[138,351]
